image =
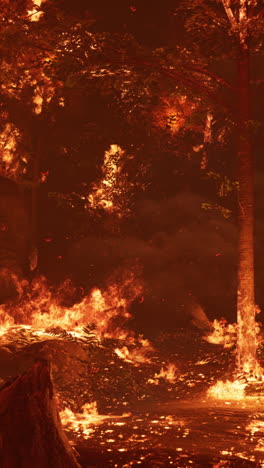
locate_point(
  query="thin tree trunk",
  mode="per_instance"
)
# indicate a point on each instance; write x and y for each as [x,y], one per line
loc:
[33,258]
[246,345]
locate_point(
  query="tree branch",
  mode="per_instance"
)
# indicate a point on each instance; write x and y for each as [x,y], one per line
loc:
[170,73]
[230,14]
[211,75]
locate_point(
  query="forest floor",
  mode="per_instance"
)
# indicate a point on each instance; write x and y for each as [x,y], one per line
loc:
[151,411]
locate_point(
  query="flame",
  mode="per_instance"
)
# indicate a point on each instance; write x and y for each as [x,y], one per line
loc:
[223,333]
[173,112]
[256,431]
[11,165]
[44,176]
[110,193]
[39,308]
[169,373]
[229,334]
[228,390]
[255,426]
[247,338]
[43,93]
[6,321]
[35,14]
[82,423]
[135,355]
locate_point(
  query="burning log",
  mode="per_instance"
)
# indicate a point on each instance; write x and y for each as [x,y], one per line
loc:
[31,434]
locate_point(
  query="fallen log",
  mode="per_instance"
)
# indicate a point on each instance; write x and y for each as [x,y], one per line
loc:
[31,433]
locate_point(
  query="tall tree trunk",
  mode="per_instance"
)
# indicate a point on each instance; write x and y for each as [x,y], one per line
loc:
[246,345]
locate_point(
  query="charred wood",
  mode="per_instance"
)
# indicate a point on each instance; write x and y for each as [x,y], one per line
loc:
[31,433]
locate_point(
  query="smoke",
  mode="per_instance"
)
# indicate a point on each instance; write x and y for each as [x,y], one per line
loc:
[186,254]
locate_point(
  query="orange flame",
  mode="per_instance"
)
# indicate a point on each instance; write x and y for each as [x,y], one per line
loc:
[135,355]
[228,390]
[173,112]
[169,373]
[11,166]
[223,333]
[111,192]
[35,14]
[40,309]
[82,423]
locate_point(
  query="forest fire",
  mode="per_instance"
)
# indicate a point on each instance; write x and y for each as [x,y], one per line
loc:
[40,309]
[49,322]
[131,238]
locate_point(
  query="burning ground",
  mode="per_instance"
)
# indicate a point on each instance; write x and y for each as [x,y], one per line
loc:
[125,400]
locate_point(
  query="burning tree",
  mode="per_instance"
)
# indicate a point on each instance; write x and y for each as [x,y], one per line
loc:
[241,29]
[239,18]
[239,24]
[233,30]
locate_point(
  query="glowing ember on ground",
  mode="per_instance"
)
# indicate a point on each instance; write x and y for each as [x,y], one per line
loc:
[119,438]
[45,319]
[256,431]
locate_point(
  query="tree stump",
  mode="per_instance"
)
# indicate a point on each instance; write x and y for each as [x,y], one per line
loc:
[31,433]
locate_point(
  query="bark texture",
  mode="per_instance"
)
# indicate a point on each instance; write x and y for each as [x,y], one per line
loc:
[31,434]
[246,295]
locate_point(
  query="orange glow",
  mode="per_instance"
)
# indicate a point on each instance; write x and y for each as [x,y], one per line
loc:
[223,333]
[173,112]
[135,355]
[82,423]
[168,372]
[42,93]
[40,306]
[12,166]
[35,14]
[256,430]
[247,338]
[228,390]
[110,193]
[39,310]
